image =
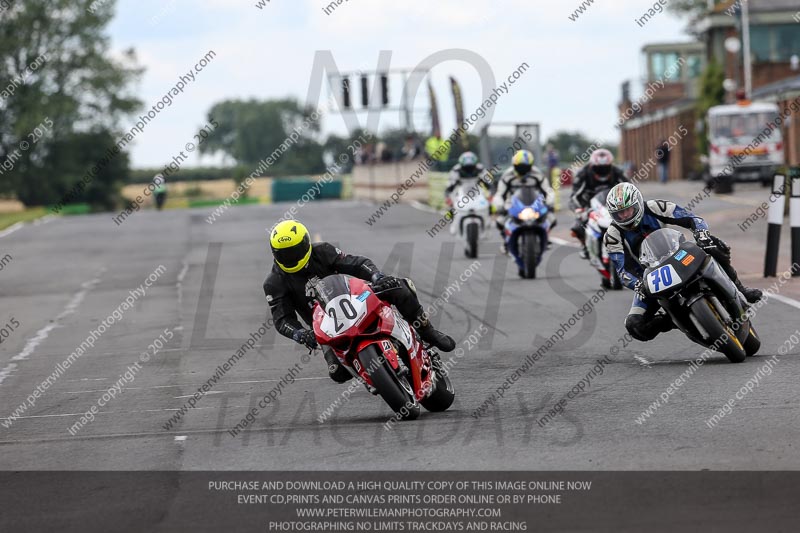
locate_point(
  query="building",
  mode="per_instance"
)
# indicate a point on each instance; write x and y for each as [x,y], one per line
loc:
[668,107]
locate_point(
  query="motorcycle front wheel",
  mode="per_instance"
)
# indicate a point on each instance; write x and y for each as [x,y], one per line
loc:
[529,249]
[753,343]
[394,390]
[472,233]
[442,396]
[721,337]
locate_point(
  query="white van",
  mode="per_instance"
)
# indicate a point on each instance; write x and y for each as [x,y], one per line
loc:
[734,128]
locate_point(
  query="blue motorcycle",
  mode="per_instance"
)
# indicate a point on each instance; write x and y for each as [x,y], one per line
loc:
[526,228]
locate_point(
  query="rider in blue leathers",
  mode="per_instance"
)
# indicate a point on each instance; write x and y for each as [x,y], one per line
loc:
[635,219]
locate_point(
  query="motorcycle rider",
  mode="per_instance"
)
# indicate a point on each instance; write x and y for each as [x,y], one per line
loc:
[634,219]
[600,173]
[521,172]
[468,172]
[296,261]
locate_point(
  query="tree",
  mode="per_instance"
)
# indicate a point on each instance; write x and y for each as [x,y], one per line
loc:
[56,69]
[712,92]
[573,144]
[694,10]
[251,130]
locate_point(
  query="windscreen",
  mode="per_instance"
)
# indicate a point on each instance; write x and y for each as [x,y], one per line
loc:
[330,287]
[742,128]
[659,245]
[528,193]
[600,198]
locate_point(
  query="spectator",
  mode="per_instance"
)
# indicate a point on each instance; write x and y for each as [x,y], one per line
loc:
[438,149]
[411,148]
[662,156]
[553,159]
[368,154]
[384,155]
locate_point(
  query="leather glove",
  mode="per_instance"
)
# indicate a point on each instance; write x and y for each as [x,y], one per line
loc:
[704,239]
[383,283]
[305,337]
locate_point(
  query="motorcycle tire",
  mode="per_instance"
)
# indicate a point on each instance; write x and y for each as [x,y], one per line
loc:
[753,343]
[703,310]
[529,250]
[472,234]
[394,390]
[442,396]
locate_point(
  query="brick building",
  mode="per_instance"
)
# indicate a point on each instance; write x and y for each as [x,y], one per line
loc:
[673,74]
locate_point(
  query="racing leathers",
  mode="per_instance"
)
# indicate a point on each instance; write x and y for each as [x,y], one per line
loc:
[459,176]
[585,188]
[289,304]
[509,183]
[644,322]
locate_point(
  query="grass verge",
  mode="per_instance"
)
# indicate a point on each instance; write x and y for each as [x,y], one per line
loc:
[9,219]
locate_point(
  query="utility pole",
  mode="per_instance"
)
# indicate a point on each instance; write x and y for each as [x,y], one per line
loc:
[748,65]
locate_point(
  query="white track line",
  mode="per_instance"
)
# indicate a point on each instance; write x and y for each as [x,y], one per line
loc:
[563,242]
[11,229]
[194,385]
[785,299]
[62,415]
[19,225]
[44,332]
[191,395]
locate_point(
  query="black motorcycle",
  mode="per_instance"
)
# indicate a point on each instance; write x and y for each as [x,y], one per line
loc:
[701,299]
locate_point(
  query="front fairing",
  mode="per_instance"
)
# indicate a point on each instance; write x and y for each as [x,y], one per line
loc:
[668,277]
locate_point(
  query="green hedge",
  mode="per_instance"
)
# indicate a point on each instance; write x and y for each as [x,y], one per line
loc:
[146,175]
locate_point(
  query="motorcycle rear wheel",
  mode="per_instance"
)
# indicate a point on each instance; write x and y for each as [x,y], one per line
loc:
[394,390]
[703,310]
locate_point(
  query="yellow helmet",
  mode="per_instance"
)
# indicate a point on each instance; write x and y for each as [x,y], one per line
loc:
[522,162]
[291,245]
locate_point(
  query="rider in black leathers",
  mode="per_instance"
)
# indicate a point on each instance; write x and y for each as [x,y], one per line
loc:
[599,174]
[297,261]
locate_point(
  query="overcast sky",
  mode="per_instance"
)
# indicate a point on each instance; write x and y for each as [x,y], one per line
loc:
[573,83]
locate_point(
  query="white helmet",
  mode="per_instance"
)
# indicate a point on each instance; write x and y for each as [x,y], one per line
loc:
[626,205]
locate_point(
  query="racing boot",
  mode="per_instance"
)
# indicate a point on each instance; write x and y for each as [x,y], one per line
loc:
[661,323]
[751,295]
[433,336]
[584,253]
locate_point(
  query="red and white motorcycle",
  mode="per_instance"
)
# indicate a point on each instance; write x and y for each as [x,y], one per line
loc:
[378,346]
[598,222]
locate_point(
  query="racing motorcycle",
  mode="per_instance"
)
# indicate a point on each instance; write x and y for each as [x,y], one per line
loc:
[526,229]
[471,213]
[378,346]
[701,299]
[597,223]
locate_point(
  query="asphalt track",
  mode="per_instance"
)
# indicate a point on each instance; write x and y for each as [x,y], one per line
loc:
[70,273]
